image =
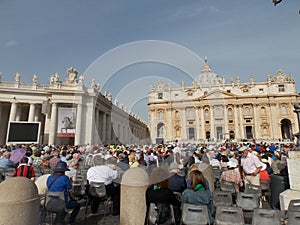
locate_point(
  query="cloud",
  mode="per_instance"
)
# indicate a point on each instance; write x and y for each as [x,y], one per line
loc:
[10,43]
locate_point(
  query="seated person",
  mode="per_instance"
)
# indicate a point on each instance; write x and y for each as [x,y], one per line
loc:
[232,175]
[23,170]
[159,191]
[177,181]
[105,174]
[198,194]
[58,181]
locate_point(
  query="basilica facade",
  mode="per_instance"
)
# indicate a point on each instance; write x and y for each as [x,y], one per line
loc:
[68,112]
[212,110]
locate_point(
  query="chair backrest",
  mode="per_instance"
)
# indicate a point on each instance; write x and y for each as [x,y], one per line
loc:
[194,214]
[97,189]
[294,205]
[246,201]
[266,217]
[216,172]
[161,213]
[293,217]
[9,172]
[222,198]
[227,186]
[55,201]
[229,215]
[252,189]
[265,184]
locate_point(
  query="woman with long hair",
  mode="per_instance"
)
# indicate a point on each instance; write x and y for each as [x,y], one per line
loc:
[198,193]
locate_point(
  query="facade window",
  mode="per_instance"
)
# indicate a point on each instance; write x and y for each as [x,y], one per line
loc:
[206,114]
[261,90]
[160,130]
[219,112]
[190,113]
[160,95]
[160,115]
[190,93]
[228,91]
[263,111]
[281,88]
[191,132]
[283,110]
[245,90]
[230,121]
[229,112]
[247,111]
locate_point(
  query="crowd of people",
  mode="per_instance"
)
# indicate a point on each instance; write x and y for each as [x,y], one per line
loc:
[174,178]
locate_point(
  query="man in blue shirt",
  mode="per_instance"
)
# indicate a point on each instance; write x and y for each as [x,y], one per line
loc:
[5,162]
[59,182]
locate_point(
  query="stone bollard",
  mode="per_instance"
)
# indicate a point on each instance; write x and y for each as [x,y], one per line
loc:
[19,202]
[133,201]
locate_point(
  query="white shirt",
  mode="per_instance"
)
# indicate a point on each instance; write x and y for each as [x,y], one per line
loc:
[103,174]
[250,163]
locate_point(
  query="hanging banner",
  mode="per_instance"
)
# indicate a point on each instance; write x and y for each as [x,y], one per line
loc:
[66,124]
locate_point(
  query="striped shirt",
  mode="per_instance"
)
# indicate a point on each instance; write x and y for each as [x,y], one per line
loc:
[24,171]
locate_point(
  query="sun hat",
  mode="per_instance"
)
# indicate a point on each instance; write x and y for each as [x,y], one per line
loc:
[232,164]
[243,148]
[61,166]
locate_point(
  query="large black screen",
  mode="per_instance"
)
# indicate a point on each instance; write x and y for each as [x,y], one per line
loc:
[23,132]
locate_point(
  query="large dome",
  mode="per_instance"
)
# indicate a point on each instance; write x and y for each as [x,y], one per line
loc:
[207,78]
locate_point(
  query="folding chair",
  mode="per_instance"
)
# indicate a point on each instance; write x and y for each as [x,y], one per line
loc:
[266,217]
[222,198]
[253,189]
[293,217]
[54,204]
[98,190]
[227,186]
[226,215]
[194,214]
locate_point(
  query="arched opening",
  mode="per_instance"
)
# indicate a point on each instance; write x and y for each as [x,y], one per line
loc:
[231,135]
[207,135]
[286,129]
[160,130]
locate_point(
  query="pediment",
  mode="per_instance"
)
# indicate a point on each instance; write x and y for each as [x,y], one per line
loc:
[217,94]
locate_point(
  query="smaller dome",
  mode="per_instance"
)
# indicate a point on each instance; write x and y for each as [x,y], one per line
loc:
[207,77]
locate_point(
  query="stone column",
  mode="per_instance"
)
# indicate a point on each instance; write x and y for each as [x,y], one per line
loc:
[169,135]
[270,116]
[13,111]
[256,122]
[197,124]
[152,122]
[31,112]
[78,129]
[133,204]
[236,124]
[212,124]
[104,127]
[90,126]
[202,134]
[241,122]
[108,128]
[274,121]
[184,127]
[53,124]
[226,122]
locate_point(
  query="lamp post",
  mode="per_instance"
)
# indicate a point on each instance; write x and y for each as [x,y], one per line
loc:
[297,110]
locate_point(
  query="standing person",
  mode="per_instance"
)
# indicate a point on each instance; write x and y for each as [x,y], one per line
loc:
[23,170]
[59,182]
[198,193]
[251,166]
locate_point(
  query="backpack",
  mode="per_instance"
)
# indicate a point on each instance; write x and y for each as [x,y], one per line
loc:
[161,214]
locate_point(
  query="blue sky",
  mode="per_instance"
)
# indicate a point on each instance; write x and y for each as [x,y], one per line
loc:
[240,38]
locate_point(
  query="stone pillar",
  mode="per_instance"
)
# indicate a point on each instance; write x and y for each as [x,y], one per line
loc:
[53,124]
[134,183]
[16,205]
[197,124]
[90,126]
[108,129]
[169,135]
[256,122]
[184,127]
[274,121]
[236,124]
[212,124]
[202,134]
[104,127]
[97,126]
[13,111]
[241,122]
[31,112]
[226,136]
[78,129]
